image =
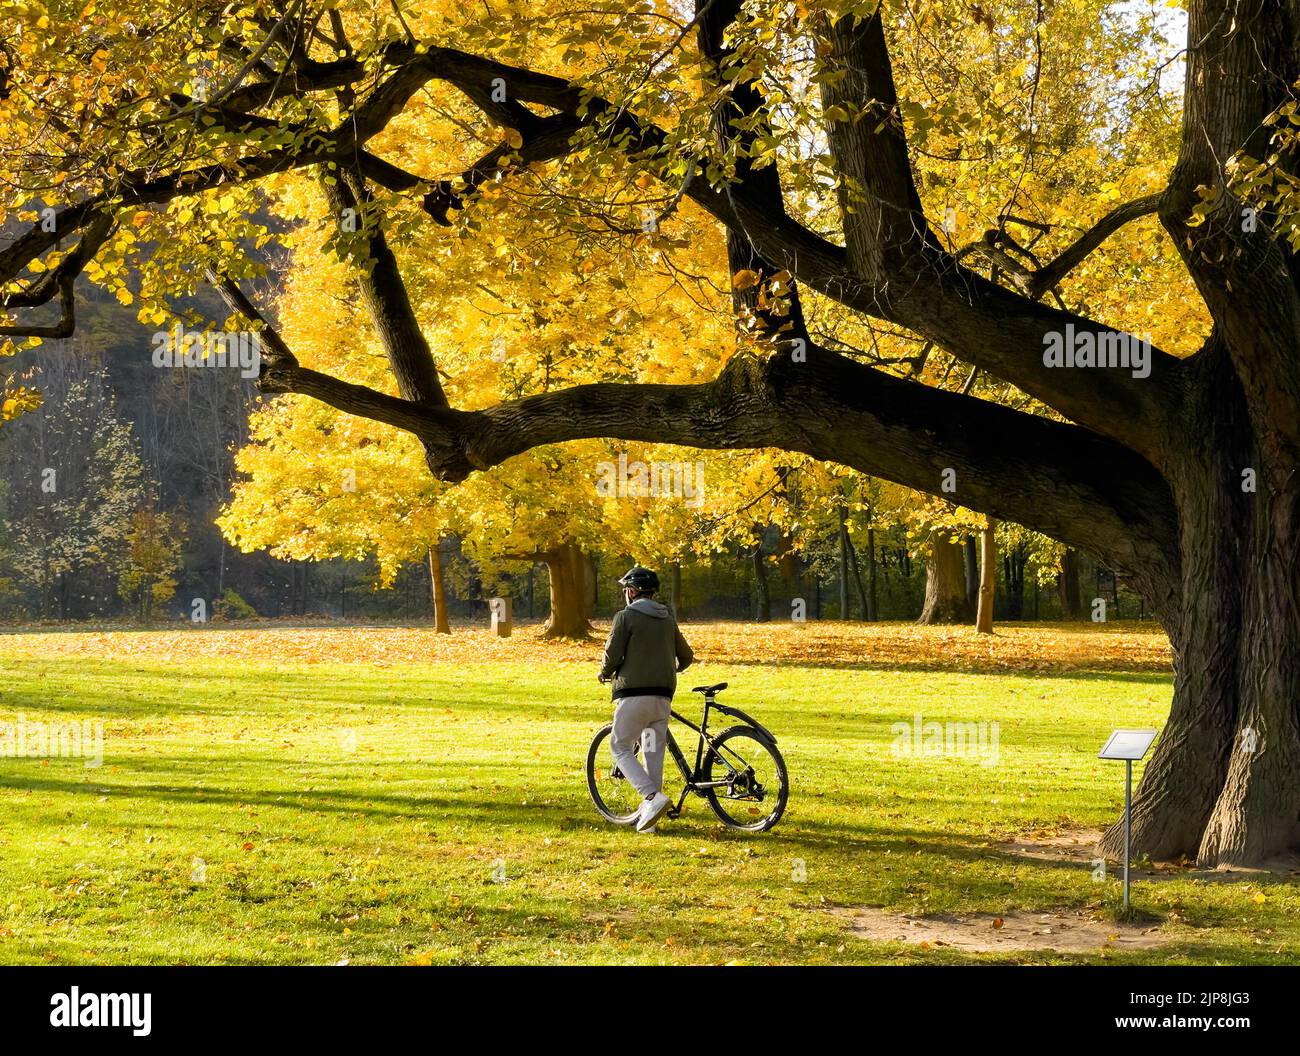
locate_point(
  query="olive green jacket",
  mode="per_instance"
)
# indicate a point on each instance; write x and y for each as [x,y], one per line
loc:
[645,651]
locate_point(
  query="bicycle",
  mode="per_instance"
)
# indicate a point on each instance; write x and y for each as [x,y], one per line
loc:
[755,775]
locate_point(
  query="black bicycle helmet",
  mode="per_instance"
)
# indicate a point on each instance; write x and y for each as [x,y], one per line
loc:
[640,579]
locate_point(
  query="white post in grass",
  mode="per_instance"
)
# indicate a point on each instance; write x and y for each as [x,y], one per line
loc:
[502,616]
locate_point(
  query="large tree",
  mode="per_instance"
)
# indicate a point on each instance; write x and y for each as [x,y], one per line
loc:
[1182,477]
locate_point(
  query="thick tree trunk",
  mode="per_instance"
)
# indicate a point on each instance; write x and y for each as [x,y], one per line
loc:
[438,592]
[566,567]
[1222,784]
[988,578]
[945,583]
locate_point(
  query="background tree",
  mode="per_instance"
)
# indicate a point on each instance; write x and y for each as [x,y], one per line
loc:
[151,556]
[74,481]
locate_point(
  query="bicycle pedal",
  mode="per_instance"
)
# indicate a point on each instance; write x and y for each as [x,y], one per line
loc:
[673,812]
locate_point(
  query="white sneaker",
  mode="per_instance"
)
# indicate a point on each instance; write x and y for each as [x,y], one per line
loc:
[651,810]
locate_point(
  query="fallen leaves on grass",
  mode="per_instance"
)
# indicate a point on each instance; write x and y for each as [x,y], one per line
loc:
[1044,647]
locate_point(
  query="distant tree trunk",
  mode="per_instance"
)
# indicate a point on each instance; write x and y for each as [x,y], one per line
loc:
[438,592]
[221,569]
[1067,585]
[988,577]
[679,606]
[844,565]
[590,586]
[945,583]
[872,614]
[566,567]
[1014,567]
[857,578]
[972,566]
[762,596]
[788,563]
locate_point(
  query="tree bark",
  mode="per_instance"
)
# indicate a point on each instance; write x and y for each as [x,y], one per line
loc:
[1221,783]
[945,583]
[988,578]
[566,570]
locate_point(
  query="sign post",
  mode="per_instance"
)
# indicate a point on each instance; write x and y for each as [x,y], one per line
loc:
[1128,745]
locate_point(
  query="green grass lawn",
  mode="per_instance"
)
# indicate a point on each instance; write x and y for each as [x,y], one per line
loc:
[258,811]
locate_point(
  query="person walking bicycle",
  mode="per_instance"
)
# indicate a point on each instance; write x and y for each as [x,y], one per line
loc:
[644,653]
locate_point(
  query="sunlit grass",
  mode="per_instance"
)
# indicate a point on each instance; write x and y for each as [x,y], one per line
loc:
[258,809]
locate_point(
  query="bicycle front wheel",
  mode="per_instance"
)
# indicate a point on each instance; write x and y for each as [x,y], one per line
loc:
[756,785]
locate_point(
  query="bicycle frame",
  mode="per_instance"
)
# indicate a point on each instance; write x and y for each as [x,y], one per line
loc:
[692,776]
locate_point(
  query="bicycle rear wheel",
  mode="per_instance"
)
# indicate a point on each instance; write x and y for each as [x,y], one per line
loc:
[754,797]
[612,793]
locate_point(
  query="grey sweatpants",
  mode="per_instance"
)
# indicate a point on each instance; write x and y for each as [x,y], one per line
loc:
[644,720]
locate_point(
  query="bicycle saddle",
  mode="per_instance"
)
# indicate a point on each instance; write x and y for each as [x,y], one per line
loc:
[710,689]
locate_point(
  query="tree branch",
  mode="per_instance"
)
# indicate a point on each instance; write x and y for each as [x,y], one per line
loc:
[737,122]
[1055,270]
[987,325]
[1060,479]
[385,295]
[880,208]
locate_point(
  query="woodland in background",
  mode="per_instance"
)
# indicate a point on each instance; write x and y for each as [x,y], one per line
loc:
[143,545]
